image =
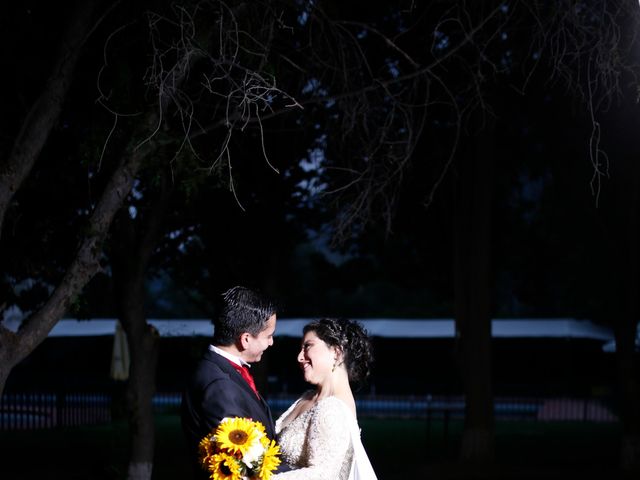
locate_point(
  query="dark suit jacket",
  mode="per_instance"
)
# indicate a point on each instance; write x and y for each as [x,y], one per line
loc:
[214,391]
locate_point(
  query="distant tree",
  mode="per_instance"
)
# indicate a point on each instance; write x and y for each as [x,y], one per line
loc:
[229,73]
[134,239]
[476,50]
[197,79]
[17,165]
[206,63]
[214,68]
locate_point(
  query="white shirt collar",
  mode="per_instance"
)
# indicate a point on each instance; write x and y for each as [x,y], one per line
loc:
[229,356]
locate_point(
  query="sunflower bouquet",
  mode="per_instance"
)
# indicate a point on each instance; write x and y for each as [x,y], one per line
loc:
[239,450]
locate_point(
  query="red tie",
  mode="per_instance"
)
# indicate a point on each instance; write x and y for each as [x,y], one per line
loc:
[244,371]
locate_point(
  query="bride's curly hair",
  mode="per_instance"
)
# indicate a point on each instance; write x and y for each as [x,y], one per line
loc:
[352,339]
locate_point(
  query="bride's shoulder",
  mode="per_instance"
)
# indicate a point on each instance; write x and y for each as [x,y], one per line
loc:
[340,406]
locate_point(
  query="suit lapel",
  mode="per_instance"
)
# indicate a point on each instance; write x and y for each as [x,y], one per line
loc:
[234,375]
[226,367]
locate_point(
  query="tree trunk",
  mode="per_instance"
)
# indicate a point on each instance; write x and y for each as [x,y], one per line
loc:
[629,398]
[627,321]
[472,281]
[8,347]
[33,134]
[35,328]
[134,243]
[45,111]
[143,341]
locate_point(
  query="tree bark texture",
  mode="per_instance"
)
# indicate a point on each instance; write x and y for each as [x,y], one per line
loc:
[134,243]
[142,340]
[473,191]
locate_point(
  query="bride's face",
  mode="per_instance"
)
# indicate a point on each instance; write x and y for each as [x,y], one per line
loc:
[316,359]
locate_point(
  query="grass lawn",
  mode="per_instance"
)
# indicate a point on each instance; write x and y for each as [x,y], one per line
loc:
[399,449]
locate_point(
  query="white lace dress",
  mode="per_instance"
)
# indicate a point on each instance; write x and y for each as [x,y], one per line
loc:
[323,443]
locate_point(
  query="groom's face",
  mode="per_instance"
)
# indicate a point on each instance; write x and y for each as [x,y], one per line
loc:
[256,345]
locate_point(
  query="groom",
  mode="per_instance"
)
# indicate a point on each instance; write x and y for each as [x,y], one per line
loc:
[221,384]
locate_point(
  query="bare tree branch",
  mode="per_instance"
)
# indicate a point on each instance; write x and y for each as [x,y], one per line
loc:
[46,109]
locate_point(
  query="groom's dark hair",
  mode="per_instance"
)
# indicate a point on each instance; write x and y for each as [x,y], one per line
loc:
[243,310]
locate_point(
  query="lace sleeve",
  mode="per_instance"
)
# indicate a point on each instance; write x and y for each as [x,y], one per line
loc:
[328,444]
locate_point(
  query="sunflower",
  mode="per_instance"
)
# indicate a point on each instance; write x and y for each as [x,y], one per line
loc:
[237,435]
[260,428]
[270,461]
[205,448]
[224,467]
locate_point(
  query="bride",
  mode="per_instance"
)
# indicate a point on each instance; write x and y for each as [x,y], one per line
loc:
[319,434]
